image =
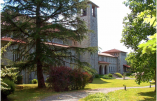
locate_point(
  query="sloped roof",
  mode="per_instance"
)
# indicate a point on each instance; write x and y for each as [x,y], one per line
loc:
[49,43]
[105,54]
[103,62]
[114,51]
[93,4]
[13,40]
[126,66]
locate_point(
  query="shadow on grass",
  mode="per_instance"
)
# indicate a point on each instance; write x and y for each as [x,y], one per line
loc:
[29,93]
[151,95]
[98,81]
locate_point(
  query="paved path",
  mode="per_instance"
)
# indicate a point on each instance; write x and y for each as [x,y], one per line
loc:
[76,95]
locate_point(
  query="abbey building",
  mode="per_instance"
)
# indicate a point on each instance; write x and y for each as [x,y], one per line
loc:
[110,61]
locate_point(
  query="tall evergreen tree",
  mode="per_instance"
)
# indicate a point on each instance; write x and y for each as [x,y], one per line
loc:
[35,23]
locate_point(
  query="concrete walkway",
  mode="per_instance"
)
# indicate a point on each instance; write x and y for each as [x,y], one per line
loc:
[76,95]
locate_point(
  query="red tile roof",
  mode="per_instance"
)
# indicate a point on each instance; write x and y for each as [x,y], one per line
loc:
[114,51]
[103,62]
[126,66]
[105,54]
[9,39]
[56,44]
[49,43]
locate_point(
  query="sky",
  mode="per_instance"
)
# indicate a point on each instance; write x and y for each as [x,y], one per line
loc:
[110,17]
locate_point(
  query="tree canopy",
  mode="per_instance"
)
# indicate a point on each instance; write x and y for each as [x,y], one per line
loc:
[136,31]
[141,27]
[36,23]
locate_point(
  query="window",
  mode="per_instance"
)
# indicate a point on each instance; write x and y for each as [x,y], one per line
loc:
[93,11]
[83,12]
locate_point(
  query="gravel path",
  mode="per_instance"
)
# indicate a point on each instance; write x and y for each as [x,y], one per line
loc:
[76,95]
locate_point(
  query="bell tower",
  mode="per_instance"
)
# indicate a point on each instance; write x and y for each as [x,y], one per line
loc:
[89,15]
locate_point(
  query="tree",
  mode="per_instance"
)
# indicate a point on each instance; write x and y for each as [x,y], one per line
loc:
[36,23]
[134,32]
[143,59]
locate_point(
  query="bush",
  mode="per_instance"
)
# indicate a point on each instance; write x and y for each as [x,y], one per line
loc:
[118,74]
[10,73]
[128,74]
[19,79]
[10,85]
[97,76]
[90,77]
[97,97]
[110,75]
[34,81]
[64,79]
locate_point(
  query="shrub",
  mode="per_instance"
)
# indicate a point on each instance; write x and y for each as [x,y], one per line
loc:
[10,73]
[128,74]
[97,76]
[97,97]
[90,77]
[34,81]
[110,75]
[19,79]
[10,85]
[64,79]
[118,74]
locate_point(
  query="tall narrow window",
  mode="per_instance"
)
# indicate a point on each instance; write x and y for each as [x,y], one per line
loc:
[93,11]
[83,12]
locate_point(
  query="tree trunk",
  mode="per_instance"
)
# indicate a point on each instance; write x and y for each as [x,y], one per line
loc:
[41,83]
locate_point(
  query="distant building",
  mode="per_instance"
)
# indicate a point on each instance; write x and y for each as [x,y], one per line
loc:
[112,61]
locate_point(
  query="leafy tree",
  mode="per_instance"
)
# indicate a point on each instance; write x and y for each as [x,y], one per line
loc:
[143,60]
[136,31]
[3,84]
[35,23]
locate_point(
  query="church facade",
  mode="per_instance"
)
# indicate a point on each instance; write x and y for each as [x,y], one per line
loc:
[106,62]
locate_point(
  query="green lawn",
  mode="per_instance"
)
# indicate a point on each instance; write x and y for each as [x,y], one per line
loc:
[31,92]
[110,83]
[138,94]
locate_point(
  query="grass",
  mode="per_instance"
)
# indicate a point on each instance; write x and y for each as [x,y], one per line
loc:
[30,92]
[138,94]
[111,83]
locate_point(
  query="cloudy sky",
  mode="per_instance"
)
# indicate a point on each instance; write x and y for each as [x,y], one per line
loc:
[110,17]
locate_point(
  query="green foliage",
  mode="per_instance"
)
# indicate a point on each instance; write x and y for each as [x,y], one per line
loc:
[140,24]
[10,85]
[37,27]
[110,75]
[19,79]
[118,74]
[10,73]
[3,49]
[97,76]
[136,28]
[98,97]
[143,64]
[129,74]
[150,46]
[34,81]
